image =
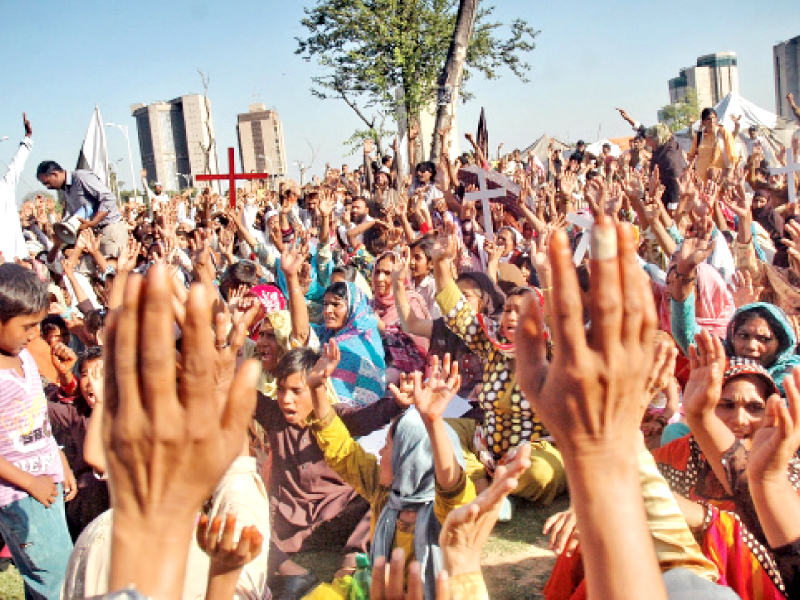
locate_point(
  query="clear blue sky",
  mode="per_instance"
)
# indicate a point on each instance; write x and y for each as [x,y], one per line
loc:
[60,59]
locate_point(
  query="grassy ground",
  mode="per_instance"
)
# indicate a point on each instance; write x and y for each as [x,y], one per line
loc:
[10,582]
[516,560]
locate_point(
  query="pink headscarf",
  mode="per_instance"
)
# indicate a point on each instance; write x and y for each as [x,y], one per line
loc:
[272,300]
[714,306]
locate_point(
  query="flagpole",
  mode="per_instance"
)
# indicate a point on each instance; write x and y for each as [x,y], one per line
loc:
[124,130]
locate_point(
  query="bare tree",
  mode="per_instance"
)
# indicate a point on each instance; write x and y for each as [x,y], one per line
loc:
[211,146]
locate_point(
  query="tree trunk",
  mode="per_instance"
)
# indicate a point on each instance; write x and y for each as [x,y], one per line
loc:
[450,79]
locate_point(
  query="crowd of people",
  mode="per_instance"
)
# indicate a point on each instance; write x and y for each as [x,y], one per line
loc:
[196,388]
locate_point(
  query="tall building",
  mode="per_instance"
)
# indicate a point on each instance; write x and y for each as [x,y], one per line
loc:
[261,147]
[786,58]
[713,78]
[173,139]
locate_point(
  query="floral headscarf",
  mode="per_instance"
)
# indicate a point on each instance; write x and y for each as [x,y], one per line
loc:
[360,378]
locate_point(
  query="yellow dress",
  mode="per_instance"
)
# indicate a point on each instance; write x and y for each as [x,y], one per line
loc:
[509,417]
[360,469]
[715,151]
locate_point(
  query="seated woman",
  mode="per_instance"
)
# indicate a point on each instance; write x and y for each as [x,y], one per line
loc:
[348,318]
[483,296]
[420,478]
[725,407]
[407,352]
[758,331]
[509,418]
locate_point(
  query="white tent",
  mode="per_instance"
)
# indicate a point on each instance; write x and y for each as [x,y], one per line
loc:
[777,129]
[596,148]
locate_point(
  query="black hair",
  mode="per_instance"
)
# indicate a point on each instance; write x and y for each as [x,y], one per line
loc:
[386,159]
[424,243]
[520,290]
[51,322]
[243,272]
[21,292]
[584,280]
[90,354]
[349,272]
[707,112]
[742,317]
[426,167]
[491,296]
[338,289]
[296,360]
[95,320]
[48,166]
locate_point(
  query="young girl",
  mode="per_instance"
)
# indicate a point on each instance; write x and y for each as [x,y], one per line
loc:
[420,478]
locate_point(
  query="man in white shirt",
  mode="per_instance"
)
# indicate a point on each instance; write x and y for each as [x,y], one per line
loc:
[12,243]
[155,199]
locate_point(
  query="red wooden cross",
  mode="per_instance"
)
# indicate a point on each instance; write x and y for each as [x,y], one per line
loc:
[231,176]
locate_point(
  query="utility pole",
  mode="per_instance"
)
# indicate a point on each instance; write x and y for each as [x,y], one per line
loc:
[450,79]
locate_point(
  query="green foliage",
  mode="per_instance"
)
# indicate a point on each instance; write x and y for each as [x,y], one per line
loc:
[369,48]
[680,115]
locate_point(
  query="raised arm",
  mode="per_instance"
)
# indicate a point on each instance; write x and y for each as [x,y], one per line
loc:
[409,321]
[18,162]
[700,398]
[774,445]
[478,152]
[597,429]
[292,258]
[431,399]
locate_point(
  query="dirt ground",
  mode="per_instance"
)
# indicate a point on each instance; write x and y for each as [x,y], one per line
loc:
[516,561]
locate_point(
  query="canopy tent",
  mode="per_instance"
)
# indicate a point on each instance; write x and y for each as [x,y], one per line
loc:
[539,148]
[596,148]
[778,130]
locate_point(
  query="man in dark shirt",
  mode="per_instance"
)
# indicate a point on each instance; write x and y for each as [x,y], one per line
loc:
[84,190]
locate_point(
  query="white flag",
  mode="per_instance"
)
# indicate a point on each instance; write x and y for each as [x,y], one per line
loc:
[94,154]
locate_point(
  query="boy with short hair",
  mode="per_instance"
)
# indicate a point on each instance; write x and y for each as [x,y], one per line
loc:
[32,469]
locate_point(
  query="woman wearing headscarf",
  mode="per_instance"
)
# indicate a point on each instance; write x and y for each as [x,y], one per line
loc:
[420,478]
[479,291]
[348,318]
[758,331]
[407,351]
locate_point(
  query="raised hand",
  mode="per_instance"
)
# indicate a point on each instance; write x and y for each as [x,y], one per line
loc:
[129,255]
[404,391]
[692,252]
[167,443]
[400,266]
[432,397]
[742,288]
[662,371]
[593,390]
[493,251]
[445,246]
[467,528]
[325,365]
[293,257]
[27,124]
[707,362]
[778,438]
[225,552]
